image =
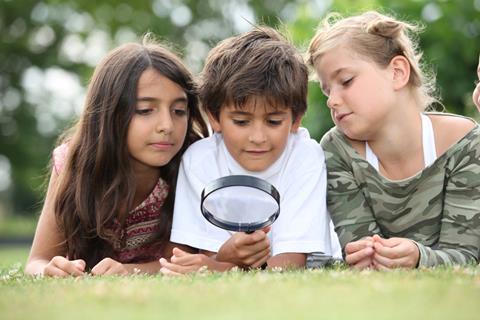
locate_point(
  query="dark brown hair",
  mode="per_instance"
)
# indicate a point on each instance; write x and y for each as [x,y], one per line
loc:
[259,63]
[97,184]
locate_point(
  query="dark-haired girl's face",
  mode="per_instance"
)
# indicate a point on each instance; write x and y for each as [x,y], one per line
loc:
[159,125]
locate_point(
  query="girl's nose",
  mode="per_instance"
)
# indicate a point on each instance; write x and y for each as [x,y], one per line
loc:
[333,100]
[164,123]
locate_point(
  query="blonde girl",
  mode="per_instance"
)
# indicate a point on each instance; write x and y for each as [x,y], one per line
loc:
[403,184]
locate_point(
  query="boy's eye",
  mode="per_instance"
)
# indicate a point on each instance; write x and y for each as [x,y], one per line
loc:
[240,122]
[274,122]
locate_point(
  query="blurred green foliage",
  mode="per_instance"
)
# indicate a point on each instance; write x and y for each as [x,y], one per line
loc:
[43,41]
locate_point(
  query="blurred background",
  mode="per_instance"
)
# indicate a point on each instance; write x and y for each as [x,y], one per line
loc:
[48,50]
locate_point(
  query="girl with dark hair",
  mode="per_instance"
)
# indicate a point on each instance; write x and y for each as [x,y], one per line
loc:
[109,204]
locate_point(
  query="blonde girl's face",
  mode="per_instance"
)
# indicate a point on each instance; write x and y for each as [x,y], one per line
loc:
[360,94]
[159,125]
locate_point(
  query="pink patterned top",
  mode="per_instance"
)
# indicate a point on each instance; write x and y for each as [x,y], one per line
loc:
[141,225]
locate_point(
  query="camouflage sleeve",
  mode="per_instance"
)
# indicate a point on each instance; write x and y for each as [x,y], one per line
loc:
[350,212]
[459,240]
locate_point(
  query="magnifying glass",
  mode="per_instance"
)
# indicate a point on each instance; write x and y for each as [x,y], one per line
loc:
[240,203]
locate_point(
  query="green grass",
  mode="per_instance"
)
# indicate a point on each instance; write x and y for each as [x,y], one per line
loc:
[335,293]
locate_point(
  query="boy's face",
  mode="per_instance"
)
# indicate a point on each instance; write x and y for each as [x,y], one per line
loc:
[256,135]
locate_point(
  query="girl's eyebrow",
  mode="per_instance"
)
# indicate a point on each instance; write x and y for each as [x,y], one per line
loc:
[152,99]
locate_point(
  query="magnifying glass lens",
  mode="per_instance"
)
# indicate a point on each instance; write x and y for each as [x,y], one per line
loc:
[241,204]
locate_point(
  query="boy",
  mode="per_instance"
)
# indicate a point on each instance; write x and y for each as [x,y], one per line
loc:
[254,90]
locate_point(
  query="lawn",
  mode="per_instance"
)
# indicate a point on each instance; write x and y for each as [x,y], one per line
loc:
[335,293]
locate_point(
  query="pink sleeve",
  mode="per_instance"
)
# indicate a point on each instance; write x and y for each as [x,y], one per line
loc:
[59,157]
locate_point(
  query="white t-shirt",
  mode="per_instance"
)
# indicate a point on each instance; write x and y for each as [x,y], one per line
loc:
[299,175]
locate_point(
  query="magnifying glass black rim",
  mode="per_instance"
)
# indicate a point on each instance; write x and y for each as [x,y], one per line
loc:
[240,181]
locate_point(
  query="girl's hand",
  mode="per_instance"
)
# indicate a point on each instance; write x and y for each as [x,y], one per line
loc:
[183,262]
[246,250]
[108,267]
[359,254]
[395,253]
[62,267]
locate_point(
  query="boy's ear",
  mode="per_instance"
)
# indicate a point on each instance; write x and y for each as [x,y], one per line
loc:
[296,124]
[214,122]
[401,71]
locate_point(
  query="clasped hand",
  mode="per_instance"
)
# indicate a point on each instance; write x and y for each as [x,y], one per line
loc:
[61,267]
[382,254]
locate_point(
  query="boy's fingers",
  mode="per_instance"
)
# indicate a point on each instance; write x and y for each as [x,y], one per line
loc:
[168,272]
[258,258]
[177,268]
[177,252]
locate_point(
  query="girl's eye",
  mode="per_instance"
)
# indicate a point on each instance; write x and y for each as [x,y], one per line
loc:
[240,122]
[347,82]
[143,112]
[180,112]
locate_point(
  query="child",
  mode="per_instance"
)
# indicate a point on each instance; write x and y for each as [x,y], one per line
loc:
[254,90]
[109,203]
[403,185]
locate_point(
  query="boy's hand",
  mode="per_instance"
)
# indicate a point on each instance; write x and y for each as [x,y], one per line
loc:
[183,262]
[246,250]
[395,253]
[476,92]
[359,254]
[62,267]
[108,267]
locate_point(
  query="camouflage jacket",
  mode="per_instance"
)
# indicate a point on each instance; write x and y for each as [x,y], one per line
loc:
[438,208]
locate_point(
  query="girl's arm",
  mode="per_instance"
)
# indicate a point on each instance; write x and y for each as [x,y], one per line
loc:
[459,241]
[47,255]
[348,208]
[352,216]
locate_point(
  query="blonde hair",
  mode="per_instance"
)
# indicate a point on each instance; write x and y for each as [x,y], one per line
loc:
[379,38]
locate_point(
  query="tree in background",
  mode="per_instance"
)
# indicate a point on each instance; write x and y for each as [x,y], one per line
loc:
[48,51]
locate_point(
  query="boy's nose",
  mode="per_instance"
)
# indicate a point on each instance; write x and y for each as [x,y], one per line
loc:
[257,135]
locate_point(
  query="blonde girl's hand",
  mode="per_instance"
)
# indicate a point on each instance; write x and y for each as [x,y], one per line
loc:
[476,92]
[183,262]
[359,254]
[395,253]
[108,267]
[62,267]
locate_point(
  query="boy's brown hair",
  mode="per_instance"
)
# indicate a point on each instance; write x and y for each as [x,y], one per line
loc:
[259,63]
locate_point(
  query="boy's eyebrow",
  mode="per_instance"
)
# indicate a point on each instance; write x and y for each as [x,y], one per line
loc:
[245,113]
